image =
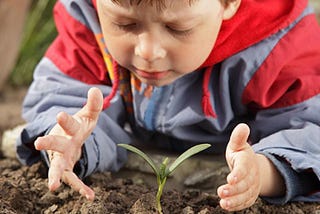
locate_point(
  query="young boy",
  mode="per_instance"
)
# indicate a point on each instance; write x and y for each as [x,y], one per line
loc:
[182,73]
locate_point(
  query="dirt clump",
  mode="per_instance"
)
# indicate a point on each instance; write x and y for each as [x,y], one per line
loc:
[24,190]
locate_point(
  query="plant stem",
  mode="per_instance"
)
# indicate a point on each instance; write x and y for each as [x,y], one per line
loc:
[161,185]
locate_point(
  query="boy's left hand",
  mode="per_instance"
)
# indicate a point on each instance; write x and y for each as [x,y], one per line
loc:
[243,182]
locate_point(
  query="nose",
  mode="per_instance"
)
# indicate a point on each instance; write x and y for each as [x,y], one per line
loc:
[149,47]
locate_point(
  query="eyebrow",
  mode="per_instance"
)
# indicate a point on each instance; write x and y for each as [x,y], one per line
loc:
[116,9]
[160,4]
[181,18]
[171,17]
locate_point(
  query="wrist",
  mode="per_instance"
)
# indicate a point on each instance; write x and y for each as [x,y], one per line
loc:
[271,181]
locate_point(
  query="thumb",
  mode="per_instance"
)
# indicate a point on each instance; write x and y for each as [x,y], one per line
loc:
[94,104]
[239,137]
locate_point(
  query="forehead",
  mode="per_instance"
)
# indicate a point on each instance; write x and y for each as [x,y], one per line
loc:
[163,9]
[160,4]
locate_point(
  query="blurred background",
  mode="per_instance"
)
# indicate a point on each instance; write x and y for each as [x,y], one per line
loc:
[26,31]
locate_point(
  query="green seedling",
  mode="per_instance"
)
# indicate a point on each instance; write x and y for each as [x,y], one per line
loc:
[163,171]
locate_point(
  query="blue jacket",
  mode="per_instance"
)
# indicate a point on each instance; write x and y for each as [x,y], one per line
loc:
[267,77]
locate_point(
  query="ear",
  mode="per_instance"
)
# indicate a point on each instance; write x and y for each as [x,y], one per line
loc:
[230,9]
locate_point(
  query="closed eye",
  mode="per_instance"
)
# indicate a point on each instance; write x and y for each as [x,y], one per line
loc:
[179,32]
[125,27]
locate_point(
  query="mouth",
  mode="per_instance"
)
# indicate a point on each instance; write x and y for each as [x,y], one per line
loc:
[153,75]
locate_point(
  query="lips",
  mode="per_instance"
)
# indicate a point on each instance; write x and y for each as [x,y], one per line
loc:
[155,75]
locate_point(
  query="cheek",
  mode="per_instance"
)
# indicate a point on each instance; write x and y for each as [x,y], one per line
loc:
[118,45]
[119,49]
[193,55]
[209,39]
[199,48]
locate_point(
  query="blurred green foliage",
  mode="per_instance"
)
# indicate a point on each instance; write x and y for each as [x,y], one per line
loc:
[39,32]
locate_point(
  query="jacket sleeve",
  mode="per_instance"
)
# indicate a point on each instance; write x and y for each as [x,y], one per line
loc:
[73,64]
[284,93]
[52,92]
[294,150]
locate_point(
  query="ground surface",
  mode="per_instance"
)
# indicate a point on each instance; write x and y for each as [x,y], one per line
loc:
[24,189]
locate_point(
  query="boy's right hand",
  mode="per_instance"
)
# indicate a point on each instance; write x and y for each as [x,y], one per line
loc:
[64,143]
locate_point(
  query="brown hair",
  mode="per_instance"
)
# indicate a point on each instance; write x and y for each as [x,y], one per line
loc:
[160,3]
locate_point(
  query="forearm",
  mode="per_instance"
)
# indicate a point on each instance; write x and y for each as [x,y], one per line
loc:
[272,182]
[293,150]
[299,184]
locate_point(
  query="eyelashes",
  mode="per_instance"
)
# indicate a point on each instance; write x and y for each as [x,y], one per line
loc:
[126,27]
[133,27]
[179,32]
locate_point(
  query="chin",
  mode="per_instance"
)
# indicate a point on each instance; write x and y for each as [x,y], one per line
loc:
[157,83]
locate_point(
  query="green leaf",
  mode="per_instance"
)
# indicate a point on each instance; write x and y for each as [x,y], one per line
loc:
[192,151]
[141,154]
[163,169]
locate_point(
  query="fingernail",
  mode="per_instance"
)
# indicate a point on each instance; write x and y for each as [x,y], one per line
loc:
[228,203]
[235,179]
[83,193]
[226,192]
[36,144]
[225,203]
[50,183]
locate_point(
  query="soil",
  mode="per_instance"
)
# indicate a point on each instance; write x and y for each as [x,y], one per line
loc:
[24,189]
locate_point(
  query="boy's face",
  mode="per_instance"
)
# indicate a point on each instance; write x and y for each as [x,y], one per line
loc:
[159,45]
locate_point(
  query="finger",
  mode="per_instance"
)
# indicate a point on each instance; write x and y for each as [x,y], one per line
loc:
[68,123]
[238,172]
[238,183]
[228,190]
[238,188]
[239,137]
[56,169]
[94,104]
[52,142]
[223,191]
[76,184]
[238,202]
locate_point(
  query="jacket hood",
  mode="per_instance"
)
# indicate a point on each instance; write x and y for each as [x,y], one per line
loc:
[254,21]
